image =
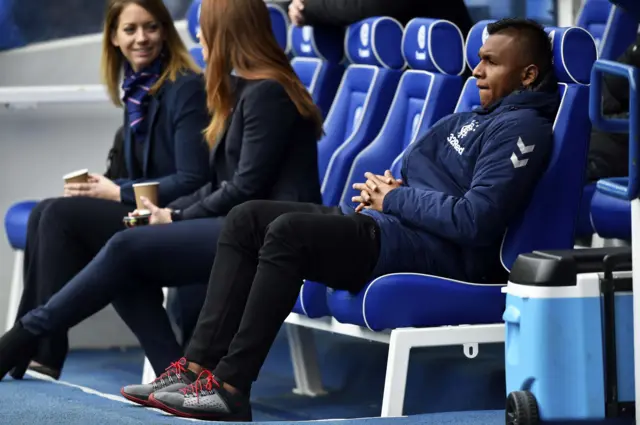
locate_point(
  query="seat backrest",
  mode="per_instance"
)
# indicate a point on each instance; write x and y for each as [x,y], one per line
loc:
[318,56]
[373,49]
[632,7]
[469,97]
[193,26]
[280,26]
[593,16]
[550,219]
[620,32]
[428,91]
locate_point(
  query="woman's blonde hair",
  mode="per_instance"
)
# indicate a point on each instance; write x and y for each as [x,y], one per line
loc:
[239,37]
[176,56]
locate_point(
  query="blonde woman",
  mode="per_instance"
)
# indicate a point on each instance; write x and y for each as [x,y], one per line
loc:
[165,114]
[263,134]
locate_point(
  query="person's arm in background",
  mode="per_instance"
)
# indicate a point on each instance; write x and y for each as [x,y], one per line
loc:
[337,12]
[346,12]
[269,116]
[615,96]
[190,117]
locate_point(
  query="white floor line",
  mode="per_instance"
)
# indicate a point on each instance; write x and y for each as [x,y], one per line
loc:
[121,399]
[91,391]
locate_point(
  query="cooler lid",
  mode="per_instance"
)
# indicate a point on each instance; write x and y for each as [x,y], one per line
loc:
[560,268]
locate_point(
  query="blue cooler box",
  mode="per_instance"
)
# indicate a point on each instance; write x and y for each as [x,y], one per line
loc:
[569,337]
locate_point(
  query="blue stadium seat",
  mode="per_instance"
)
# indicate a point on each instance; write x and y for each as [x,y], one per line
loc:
[373,47]
[15,223]
[584,227]
[280,26]
[193,25]
[414,300]
[593,17]
[621,31]
[632,7]
[317,60]
[612,27]
[611,210]
[434,50]
[364,87]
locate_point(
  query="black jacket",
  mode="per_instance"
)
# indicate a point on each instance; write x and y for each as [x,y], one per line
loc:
[615,90]
[268,151]
[346,12]
[609,152]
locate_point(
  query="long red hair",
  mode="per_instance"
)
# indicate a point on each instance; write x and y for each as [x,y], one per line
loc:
[239,37]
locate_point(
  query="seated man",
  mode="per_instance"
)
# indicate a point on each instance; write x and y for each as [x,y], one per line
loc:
[462,184]
[609,152]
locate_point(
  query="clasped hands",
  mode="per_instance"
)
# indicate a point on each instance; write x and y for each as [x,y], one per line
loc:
[373,191]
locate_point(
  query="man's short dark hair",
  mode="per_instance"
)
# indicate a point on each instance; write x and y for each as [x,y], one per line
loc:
[535,41]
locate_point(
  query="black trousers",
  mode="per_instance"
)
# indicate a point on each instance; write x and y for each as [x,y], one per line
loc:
[265,250]
[63,236]
[129,272]
[608,156]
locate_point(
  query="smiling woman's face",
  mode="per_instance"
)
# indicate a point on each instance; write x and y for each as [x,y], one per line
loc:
[139,36]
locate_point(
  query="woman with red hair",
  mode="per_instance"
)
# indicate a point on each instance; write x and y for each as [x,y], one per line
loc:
[263,138]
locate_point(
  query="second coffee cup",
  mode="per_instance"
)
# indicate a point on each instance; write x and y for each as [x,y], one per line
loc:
[148,190]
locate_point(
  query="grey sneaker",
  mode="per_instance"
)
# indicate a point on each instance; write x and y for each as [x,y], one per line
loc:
[204,399]
[177,376]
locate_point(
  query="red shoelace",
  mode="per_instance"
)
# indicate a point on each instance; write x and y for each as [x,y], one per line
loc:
[175,367]
[198,386]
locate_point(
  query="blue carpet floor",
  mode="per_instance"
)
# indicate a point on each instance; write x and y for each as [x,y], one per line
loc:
[470,391]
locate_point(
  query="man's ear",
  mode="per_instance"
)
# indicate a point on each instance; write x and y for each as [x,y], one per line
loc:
[530,75]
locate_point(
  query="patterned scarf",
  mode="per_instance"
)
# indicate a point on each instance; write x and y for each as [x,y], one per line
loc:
[136,86]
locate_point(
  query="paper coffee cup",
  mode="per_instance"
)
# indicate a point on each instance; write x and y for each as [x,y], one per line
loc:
[149,191]
[79,176]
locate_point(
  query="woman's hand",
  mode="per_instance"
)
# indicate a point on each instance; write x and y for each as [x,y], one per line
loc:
[97,186]
[296,8]
[158,215]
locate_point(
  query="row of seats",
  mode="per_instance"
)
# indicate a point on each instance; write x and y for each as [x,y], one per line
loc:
[397,83]
[614,28]
[607,200]
[611,206]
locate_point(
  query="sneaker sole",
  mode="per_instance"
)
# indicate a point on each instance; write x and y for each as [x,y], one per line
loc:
[136,400]
[159,405]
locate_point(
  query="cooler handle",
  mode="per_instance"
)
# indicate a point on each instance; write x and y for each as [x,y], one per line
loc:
[511,315]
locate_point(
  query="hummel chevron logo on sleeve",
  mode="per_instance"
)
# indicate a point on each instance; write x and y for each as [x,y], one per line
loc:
[517,163]
[524,149]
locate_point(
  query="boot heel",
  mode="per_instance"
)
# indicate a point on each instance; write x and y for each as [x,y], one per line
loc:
[17,347]
[19,371]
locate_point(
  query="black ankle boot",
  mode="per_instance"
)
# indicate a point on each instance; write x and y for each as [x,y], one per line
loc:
[17,348]
[40,368]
